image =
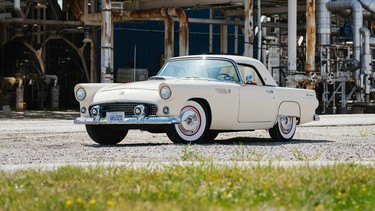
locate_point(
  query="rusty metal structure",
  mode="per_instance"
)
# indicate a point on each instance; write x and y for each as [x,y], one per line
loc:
[47,46]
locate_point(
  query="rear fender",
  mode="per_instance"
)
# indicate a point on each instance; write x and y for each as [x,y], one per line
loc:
[289,109]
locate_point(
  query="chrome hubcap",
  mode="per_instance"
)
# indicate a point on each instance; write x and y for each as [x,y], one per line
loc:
[286,124]
[190,122]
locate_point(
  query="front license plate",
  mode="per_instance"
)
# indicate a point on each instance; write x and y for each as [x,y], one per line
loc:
[116,117]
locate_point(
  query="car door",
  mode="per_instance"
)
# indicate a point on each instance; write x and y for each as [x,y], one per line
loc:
[257,101]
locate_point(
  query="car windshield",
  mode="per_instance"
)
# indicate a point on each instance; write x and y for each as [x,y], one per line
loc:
[201,68]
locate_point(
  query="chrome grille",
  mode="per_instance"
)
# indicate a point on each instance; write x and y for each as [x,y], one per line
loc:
[127,108]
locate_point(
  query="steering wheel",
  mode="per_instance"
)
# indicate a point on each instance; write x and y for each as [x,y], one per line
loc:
[223,74]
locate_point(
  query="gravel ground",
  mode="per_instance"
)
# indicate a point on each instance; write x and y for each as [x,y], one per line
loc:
[54,139]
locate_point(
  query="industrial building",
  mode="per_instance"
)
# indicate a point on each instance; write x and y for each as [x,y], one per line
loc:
[48,46]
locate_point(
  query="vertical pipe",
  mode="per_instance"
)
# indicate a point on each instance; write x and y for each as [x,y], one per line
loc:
[17,8]
[211,35]
[106,37]
[39,17]
[85,7]
[93,6]
[19,98]
[310,36]
[292,36]
[236,39]
[55,92]
[135,63]
[224,39]
[183,28]
[323,22]
[168,37]
[248,33]
[357,13]
[366,61]
[92,63]
[259,32]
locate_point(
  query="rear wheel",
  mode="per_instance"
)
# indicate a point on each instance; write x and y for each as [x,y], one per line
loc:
[284,129]
[106,134]
[193,127]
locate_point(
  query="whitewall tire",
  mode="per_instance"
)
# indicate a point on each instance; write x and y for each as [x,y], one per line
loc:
[193,126]
[284,129]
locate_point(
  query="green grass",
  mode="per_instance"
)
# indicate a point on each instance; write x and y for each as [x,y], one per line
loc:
[199,186]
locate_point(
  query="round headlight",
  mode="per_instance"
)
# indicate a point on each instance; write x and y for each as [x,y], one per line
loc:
[165,92]
[81,94]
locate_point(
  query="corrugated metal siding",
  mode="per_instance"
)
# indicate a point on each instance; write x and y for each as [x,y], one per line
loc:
[148,36]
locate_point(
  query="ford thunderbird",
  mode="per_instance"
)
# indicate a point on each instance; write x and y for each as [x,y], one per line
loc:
[194,98]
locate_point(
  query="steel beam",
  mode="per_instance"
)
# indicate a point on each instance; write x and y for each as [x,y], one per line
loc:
[152,4]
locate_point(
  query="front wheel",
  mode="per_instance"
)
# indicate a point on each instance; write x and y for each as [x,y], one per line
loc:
[284,129]
[106,134]
[193,127]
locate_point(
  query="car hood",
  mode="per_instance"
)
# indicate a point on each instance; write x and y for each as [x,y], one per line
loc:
[144,91]
[142,85]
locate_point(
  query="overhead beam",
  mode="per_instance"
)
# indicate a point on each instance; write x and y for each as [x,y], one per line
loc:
[266,11]
[151,4]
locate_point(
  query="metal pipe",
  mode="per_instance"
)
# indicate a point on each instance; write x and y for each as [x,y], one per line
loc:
[183,27]
[248,29]
[17,8]
[368,5]
[235,40]
[259,32]
[292,36]
[357,17]
[211,35]
[92,63]
[49,78]
[366,62]
[310,36]
[168,38]
[323,22]
[224,39]
[357,9]
[106,47]
[19,98]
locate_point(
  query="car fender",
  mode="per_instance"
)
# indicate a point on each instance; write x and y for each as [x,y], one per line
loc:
[289,108]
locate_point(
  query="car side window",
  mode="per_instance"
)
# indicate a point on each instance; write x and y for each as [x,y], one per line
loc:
[250,75]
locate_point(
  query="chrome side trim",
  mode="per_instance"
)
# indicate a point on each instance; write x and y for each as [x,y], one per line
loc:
[129,121]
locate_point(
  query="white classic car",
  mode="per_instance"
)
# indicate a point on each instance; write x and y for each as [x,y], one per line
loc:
[192,99]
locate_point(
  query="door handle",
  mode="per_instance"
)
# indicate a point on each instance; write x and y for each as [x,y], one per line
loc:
[269,91]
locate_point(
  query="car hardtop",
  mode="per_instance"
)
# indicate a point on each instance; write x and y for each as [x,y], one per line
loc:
[237,60]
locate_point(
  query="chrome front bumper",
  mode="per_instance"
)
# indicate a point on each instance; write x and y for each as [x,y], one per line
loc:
[129,121]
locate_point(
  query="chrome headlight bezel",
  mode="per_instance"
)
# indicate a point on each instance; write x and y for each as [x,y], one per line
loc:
[80,94]
[165,92]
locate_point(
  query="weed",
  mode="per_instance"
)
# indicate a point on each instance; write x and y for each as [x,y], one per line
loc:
[188,154]
[190,187]
[364,132]
[243,153]
[302,156]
